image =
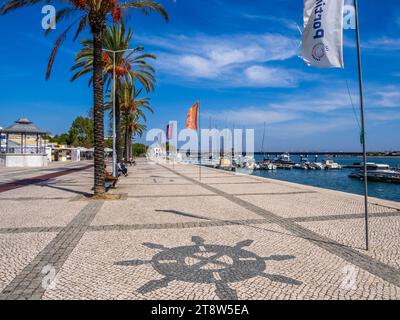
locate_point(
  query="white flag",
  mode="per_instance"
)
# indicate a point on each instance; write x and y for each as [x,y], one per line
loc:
[323,33]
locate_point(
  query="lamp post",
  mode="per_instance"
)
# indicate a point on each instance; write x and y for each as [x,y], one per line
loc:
[114,135]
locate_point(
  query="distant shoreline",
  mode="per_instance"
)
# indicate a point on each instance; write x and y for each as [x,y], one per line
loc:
[335,154]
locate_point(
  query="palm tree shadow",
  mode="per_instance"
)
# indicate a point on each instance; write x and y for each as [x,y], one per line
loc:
[52,184]
[184,214]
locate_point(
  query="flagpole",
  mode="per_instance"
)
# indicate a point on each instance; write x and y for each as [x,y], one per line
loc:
[199,142]
[363,139]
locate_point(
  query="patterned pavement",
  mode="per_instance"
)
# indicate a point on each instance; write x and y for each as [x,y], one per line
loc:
[174,236]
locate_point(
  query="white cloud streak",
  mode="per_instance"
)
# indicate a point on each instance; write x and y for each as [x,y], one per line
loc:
[306,114]
[382,44]
[227,61]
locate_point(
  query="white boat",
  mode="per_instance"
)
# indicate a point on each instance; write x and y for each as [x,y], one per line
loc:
[246,162]
[331,165]
[284,159]
[302,166]
[377,172]
[267,166]
[317,166]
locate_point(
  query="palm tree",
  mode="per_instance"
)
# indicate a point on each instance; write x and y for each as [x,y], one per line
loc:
[129,66]
[133,128]
[133,109]
[92,13]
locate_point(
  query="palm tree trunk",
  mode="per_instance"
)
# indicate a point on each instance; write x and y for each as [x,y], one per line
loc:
[97,26]
[118,138]
[130,145]
[127,136]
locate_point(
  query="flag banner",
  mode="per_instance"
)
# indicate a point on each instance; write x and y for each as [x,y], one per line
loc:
[170,128]
[191,120]
[160,139]
[322,43]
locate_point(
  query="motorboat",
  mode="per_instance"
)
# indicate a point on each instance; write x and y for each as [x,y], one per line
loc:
[284,159]
[284,162]
[246,162]
[377,172]
[267,164]
[303,165]
[329,164]
[317,166]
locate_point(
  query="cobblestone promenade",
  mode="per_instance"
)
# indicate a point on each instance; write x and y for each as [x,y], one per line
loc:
[174,236]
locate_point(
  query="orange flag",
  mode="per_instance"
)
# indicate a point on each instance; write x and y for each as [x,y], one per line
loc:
[191,120]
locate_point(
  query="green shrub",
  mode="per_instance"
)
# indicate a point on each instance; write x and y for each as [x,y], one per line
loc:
[139,150]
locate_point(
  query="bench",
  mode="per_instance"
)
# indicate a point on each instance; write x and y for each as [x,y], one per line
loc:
[109,181]
[107,185]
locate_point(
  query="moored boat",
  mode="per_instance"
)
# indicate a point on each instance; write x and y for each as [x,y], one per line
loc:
[331,165]
[377,172]
[317,166]
[284,162]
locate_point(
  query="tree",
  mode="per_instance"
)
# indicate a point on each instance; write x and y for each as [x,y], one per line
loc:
[63,139]
[128,66]
[92,13]
[139,150]
[81,132]
[133,109]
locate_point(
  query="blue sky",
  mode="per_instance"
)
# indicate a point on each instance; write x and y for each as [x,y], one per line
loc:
[240,58]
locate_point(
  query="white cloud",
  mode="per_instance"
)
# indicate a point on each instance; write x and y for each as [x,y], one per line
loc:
[383,43]
[307,114]
[388,97]
[322,103]
[253,116]
[198,66]
[387,115]
[228,60]
[311,127]
[271,77]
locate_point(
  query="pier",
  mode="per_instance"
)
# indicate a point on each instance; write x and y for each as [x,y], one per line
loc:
[173,236]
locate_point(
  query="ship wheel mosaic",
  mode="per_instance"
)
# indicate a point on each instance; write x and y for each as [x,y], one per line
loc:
[208,263]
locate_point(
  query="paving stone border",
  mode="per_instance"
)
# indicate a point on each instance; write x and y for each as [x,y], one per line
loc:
[197,224]
[352,256]
[30,230]
[28,283]
[217,195]
[34,198]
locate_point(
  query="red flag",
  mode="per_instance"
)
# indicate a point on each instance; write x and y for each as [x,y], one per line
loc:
[170,129]
[191,120]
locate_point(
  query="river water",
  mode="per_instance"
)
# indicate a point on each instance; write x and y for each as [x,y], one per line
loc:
[337,179]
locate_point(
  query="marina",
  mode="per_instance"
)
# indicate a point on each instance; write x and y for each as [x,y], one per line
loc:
[342,173]
[339,179]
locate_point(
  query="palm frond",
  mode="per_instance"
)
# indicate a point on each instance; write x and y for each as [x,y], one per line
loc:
[60,15]
[16,4]
[57,44]
[146,6]
[81,26]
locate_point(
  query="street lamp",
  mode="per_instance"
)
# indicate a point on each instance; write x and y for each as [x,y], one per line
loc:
[114,154]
